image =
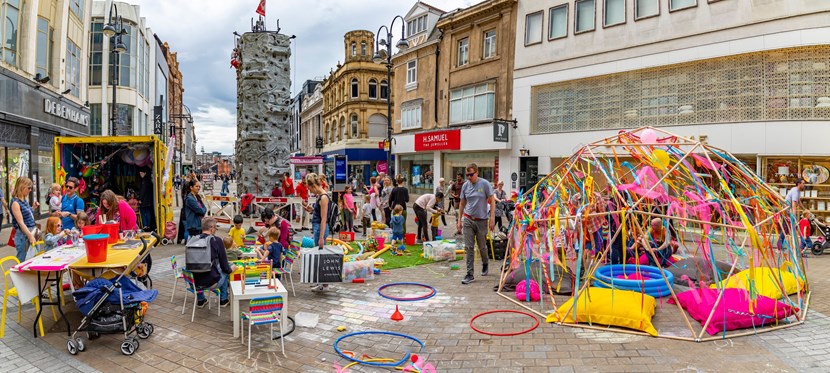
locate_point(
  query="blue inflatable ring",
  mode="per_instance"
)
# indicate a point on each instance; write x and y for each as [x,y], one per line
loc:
[377,364]
[654,285]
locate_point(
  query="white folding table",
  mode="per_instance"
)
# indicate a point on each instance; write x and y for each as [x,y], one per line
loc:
[255,291]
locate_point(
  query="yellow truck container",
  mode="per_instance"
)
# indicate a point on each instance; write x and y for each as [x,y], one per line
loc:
[113,162]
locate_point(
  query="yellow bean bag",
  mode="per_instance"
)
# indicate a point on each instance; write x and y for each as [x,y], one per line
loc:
[766,282]
[623,308]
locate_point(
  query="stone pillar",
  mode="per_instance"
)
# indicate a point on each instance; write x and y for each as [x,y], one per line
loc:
[263,111]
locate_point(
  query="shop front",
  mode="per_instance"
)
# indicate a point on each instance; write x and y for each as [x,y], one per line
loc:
[30,118]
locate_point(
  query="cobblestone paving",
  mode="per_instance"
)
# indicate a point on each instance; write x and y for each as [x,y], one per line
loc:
[442,322]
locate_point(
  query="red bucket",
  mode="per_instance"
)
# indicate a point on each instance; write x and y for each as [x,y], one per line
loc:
[410,238]
[96,247]
[112,231]
[93,229]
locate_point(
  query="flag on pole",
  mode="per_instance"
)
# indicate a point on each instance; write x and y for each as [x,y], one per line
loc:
[261,8]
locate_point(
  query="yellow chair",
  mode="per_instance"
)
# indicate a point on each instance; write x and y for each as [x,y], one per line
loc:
[12,292]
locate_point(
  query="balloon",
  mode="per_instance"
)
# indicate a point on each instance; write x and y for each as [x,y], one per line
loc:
[661,158]
[648,136]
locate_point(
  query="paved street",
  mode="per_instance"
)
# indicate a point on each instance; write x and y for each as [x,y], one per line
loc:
[441,322]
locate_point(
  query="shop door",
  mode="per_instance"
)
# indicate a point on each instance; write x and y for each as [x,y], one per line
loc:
[528,172]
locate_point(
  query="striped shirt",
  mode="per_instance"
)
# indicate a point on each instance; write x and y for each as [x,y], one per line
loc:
[25,212]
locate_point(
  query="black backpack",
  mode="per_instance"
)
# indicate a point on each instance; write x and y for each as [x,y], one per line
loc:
[334,213]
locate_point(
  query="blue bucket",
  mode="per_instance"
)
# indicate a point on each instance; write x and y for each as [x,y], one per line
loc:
[308,242]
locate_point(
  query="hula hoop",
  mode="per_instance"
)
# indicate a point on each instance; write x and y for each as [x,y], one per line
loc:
[377,364]
[409,299]
[504,334]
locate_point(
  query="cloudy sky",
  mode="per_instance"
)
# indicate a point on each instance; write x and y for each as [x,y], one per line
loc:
[201,31]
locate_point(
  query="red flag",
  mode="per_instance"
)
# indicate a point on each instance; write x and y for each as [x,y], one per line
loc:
[261,8]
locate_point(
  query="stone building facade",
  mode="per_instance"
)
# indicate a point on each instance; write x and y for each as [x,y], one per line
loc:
[354,107]
[311,122]
[452,82]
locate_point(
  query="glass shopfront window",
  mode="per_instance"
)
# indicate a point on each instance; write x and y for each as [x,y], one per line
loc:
[419,172]
[455,164]
[46,177]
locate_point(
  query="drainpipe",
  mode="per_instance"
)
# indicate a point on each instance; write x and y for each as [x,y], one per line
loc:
[435,96]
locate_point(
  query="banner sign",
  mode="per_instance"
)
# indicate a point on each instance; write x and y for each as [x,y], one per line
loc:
[438,140]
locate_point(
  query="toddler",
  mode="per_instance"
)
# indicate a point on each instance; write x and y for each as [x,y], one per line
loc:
[55,198]
[237,233]
[436,218]
[397,225]
[804,229]
[231,250]
[272,250]
[54,235]
[367,213]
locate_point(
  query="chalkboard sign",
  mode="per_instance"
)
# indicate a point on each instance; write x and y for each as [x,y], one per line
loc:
[322,265]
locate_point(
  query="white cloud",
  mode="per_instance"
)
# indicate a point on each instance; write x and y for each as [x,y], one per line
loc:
[200,31]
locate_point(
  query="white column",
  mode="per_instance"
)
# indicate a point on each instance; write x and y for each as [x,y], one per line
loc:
[437,170]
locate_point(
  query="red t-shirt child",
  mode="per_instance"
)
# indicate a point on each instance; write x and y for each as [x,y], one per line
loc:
[288,186]
[804,227]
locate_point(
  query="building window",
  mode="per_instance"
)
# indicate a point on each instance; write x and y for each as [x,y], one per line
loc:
[681,4]
[354,125]
[412,72]
[124,120]
[96,39]
[463,52]
[614,12]
[558,22]
[489,49]
[384,90]
[354,49]
[373,88]
[95,119]
[584,16]
[10,30]
[411,118]
[691,93]
[646,8]
[355,91]
[362,48]
[77,7]
[141,70]
[472,103]
[533,28]
[416,26]
[127,59]
[73,68]
[44,52]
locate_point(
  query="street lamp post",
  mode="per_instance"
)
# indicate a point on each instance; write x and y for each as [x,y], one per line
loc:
[379,59]
[113,30]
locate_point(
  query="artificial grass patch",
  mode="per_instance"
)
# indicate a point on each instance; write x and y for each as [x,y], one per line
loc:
[413,258]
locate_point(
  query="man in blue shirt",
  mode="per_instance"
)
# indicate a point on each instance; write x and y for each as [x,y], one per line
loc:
[71,204]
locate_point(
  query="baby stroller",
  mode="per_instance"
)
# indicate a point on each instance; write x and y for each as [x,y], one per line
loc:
[110,311]
[823,240]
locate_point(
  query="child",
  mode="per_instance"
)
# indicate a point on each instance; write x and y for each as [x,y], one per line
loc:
[397,225]
[349,210]
[804,229]
[55,198]
[436,218]
[231,250]
[272,250]
[237,233]
[82,221]
[367,213]
[54,235]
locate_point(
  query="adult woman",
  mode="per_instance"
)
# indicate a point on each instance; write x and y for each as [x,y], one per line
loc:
[500,196]
[320,209]
[23,218]
[194,209]
[384,200]
[115,208]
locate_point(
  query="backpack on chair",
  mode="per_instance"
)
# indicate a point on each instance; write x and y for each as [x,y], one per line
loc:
[333,214]
[197,254]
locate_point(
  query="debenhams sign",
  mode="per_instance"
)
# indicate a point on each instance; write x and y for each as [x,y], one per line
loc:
[59,110]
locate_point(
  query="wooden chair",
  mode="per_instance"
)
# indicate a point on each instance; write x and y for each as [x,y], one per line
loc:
[196,290]
[9,291]
[265,310]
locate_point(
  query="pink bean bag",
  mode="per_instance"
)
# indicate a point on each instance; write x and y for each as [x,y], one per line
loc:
[733,310]
[521,291]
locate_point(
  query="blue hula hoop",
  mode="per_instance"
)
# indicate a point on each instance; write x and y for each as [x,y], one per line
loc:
[410,299]
[377,364]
